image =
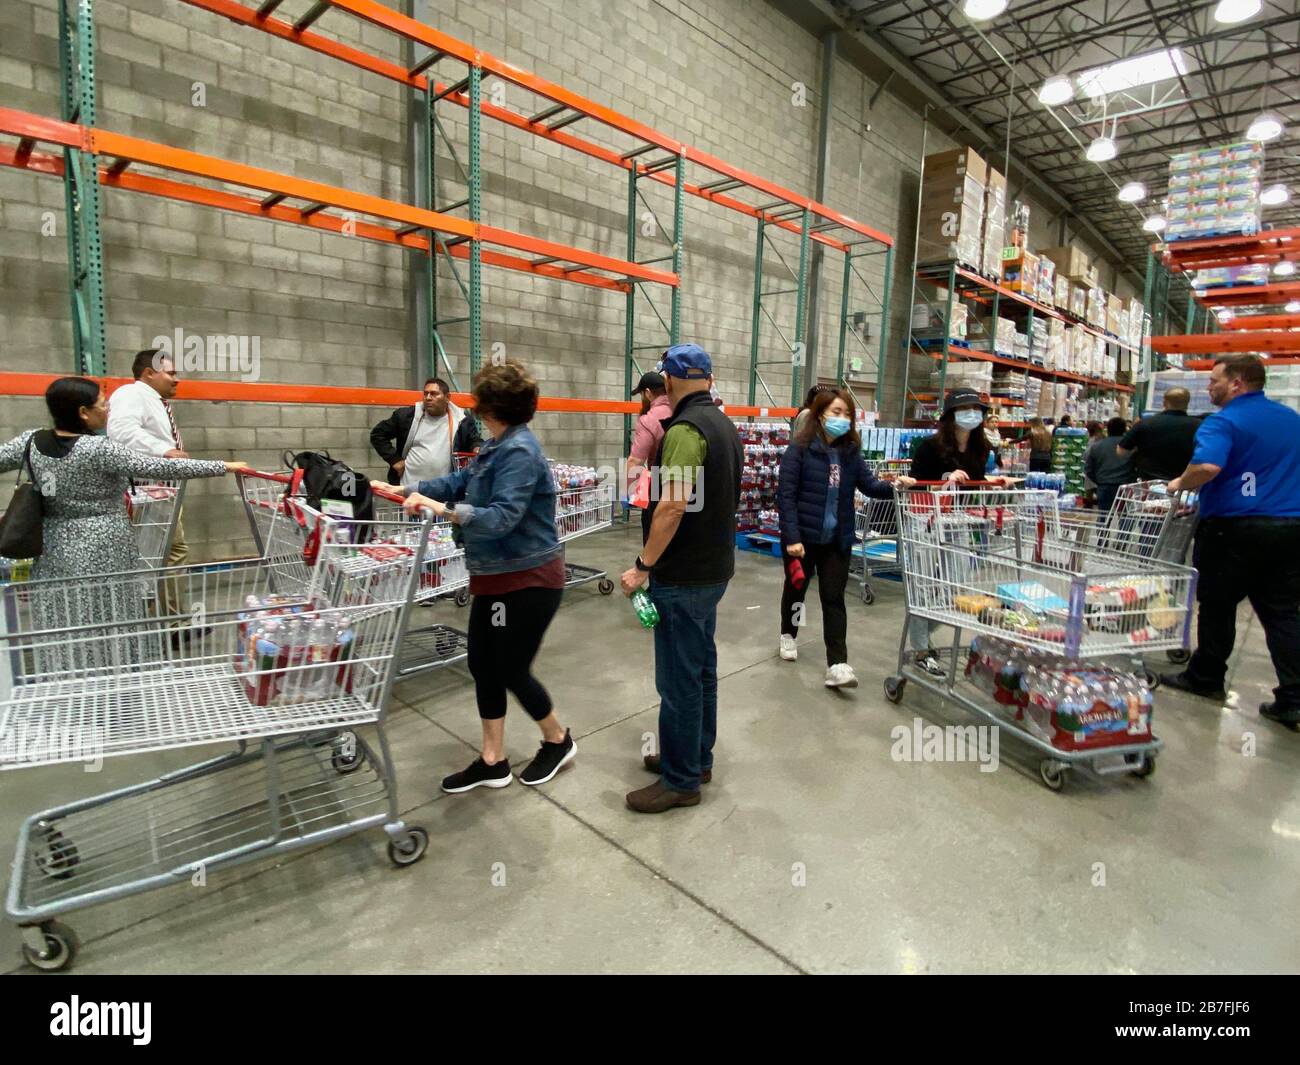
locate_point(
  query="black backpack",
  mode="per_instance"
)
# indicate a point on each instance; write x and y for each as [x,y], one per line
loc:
[325,478]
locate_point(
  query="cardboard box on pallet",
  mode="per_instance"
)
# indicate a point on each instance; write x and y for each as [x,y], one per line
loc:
[1096,316]
[995,221]
[1071,262]
[1061,291]
[1113,307]
[952,208]
[1078,300]
[1046,280]
[957,163]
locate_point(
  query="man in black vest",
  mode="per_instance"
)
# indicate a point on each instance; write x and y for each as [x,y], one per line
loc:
[689,533]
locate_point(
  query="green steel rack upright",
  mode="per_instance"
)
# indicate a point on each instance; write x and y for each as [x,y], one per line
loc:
[81,189]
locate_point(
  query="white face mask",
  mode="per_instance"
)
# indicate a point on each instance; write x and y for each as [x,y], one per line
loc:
[969,419]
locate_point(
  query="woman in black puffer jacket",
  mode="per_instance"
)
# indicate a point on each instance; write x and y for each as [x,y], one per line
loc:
[819,472]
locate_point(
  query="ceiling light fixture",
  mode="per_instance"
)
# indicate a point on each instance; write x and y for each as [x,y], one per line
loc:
[1154,224]
[983,10]
[1265,126]
[1056,91]
[1230,11]
[1133,192]
[1273,195]
[1102,150]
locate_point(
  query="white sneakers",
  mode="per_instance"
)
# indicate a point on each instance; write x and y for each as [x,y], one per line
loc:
[841,675]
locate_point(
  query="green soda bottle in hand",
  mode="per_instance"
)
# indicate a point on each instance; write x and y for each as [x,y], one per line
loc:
[646,611]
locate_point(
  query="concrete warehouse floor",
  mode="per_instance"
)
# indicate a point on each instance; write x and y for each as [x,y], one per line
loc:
[907,867]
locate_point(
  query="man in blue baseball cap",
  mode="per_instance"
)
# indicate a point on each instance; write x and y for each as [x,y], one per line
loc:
[689,556]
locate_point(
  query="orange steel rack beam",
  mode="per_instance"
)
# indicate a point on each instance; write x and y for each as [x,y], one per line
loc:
[125,151]
[35,384]
[444,45]
[1263,321]
[1249,295]
[1271,246]
[1278,342]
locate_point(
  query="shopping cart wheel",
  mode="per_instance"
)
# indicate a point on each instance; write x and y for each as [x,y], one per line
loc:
[462,597]
[347,756]
[61,946]
[1150,679]
[1053,773]
[409,848]
[868,596]
[605,586]
[894,688]
[58,856]
[1147,767]
[1179,655]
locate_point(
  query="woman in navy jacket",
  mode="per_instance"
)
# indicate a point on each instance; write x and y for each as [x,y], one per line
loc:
[819,472]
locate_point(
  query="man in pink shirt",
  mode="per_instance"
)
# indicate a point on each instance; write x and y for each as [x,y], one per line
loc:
[649,430]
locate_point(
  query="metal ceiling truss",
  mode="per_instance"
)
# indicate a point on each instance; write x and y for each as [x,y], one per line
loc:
[1234,71]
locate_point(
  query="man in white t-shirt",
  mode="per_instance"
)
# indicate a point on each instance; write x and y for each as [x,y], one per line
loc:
[420,442]
[140,418]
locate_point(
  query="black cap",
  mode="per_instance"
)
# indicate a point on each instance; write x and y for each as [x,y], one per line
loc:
[963,397]
[650,379]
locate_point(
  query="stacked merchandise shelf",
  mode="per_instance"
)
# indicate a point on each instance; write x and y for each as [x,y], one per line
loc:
[1069,446]
[758,525]
[1214,192]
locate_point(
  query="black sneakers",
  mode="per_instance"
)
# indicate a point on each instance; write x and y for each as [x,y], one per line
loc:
[551,758]
[1289,718]
[479,774]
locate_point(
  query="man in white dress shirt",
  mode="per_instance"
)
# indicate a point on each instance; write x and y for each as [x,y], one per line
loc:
[140,418]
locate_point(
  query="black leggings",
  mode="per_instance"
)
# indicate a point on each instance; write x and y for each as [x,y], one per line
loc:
[831,567]
[505,633]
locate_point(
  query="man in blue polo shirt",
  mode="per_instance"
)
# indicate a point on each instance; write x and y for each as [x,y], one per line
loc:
[1247,467]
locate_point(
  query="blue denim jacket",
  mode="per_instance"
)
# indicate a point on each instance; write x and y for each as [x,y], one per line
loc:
[505,504]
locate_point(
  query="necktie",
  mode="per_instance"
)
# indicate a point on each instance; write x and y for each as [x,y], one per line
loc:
[171,418]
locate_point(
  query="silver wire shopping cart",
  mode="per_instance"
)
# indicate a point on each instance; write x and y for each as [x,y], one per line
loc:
[1145,521]
[875,549]
[999,564]
[579,511]
[274,513]
[293,655]
[153,509]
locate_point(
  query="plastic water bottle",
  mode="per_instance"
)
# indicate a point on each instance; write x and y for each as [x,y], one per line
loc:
[320,642]
[647,613]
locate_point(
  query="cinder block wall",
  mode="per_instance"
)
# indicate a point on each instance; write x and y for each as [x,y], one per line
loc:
[722,75]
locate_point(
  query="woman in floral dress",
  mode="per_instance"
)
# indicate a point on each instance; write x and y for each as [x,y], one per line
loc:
[83,479]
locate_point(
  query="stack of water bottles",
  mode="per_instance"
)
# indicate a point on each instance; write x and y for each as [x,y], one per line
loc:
[1069,703]
[567,475]
[288,651]
[1045,482]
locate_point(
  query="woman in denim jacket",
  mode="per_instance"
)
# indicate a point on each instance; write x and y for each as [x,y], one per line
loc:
[503,504]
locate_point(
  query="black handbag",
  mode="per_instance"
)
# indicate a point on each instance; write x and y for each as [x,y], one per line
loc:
[22,525]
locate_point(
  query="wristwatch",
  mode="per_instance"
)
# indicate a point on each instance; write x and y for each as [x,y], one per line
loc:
[641,565]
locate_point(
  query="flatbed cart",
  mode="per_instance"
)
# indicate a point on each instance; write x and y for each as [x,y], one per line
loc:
[297,656]
[996,563]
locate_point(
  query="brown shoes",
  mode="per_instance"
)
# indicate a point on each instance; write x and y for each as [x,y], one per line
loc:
[656,799]
[653,764]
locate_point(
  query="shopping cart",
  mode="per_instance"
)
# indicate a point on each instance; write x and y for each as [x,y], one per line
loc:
[580,511]
[999,564]
[875,551]
[292,657]
[1144,522]
[280,531]
[153,509]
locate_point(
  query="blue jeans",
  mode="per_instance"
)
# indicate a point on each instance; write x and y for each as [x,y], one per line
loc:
[686,677]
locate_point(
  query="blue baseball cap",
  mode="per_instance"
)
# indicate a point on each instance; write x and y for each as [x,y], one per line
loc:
[689,361]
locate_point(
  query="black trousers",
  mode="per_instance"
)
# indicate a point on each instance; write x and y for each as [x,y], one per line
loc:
[1256,559]
[831,567]
[505,633]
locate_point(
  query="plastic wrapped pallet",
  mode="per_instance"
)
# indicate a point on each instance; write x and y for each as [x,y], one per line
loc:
[952,208]
[1215,191]
[1046,281]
